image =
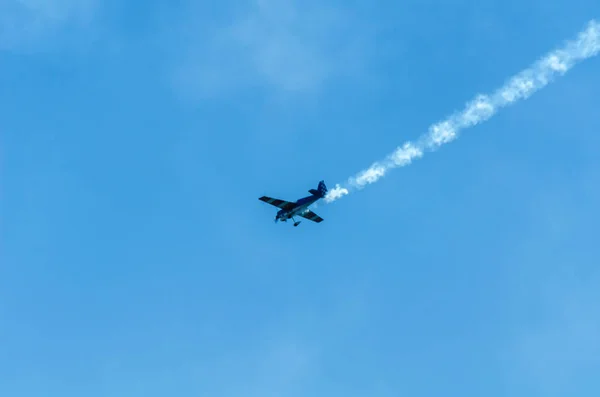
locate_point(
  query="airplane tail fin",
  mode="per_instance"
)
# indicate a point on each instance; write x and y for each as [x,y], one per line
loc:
[321,191]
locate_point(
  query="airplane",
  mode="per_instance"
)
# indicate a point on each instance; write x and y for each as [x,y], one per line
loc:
[298,208]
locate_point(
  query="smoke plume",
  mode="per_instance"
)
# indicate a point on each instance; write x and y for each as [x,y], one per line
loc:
[481,108]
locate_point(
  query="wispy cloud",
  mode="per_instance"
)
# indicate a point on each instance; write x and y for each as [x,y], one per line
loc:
[286,360]
[290,46]
[483,107]
[279,368]
[562,349]
[554,349]
[289,356]
[24,23]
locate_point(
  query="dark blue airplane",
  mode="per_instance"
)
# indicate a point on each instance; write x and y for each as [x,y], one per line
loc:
[300,207]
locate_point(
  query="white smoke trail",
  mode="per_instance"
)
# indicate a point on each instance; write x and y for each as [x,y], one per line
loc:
[520,86]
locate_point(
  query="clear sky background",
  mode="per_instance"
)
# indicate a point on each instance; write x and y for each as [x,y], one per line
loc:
[136,260]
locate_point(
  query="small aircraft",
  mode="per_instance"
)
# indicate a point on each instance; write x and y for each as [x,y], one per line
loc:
[300,207]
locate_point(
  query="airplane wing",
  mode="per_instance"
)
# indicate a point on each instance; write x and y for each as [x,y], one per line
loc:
[311,216]
[284,205]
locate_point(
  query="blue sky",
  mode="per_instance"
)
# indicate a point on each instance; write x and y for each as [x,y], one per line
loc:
[136,259]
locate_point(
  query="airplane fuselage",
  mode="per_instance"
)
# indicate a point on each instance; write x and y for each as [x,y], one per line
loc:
[290,209]
[301,206]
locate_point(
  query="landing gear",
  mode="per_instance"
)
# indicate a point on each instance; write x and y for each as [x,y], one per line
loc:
[284,218]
